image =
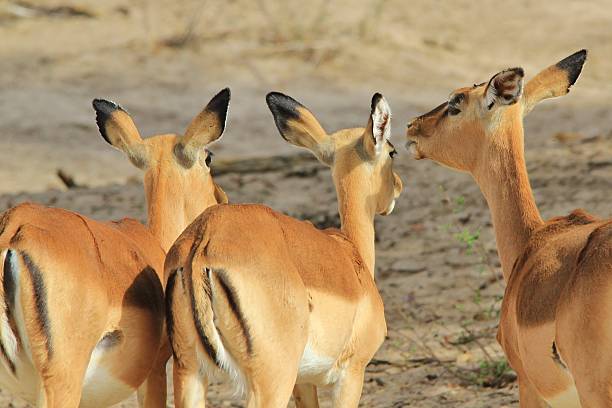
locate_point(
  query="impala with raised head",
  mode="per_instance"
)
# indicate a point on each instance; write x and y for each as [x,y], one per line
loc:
[272,301]
[82,316]
[555,323]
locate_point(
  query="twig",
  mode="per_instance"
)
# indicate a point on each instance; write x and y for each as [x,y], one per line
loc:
[67,179]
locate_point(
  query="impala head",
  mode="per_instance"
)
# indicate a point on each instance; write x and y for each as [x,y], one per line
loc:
[363,156]
[176,168]
[482,117]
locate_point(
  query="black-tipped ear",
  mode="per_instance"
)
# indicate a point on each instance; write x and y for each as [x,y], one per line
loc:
[298,126]
[104,110]
[118,129]
[219,104]
[203,130]
[573,65]
[375,99]
[284,108]
[554,81]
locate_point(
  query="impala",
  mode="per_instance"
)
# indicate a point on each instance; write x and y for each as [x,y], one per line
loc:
[82,310]
[272,301]
[556,315]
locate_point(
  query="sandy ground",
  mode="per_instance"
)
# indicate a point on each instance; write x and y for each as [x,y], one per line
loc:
[441,297]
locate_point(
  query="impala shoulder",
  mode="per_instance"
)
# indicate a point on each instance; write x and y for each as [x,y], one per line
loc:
[550,264]
[598,245]
[577,217]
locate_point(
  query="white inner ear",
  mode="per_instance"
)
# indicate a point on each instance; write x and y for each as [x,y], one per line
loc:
[381,123]
[511,90]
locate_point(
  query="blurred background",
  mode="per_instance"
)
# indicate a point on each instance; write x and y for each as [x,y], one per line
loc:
[163,60]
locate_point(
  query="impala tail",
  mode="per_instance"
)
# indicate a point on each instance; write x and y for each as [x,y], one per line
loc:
[8,337]
[206,290]
[21,277]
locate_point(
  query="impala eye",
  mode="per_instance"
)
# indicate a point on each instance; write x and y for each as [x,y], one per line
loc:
[453,111]
[209,157]
[453,104]
[393,153]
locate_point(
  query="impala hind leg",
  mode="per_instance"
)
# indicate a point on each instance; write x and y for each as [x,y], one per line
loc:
[153,392]
[270,396]
[347,391]
[528,396]
[55,398]
[272,384]
[189,385]
[62,385]
[305,396]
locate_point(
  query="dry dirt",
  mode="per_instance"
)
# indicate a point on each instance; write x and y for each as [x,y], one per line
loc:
[163,60]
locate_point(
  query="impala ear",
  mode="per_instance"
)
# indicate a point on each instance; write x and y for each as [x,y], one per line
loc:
[554,81]
[505,88]
[220,195]
[203,130]
[378,129]
[118,129]
[298,126]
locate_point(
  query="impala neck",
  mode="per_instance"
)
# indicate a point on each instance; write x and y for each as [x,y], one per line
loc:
[170,212]
[356,215]
[502,177]
[165,230]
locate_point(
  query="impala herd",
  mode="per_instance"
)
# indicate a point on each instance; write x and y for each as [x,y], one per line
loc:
[91,311]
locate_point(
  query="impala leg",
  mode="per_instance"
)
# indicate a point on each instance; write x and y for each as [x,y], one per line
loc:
[305,396]
[61,389]
[268,390]
[593,376]
[347,392]
[153,392]
[189,387]
[270,398]
[597,396]
[528,395]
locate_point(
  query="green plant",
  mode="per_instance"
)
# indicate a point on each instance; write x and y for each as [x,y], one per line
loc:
[493,373]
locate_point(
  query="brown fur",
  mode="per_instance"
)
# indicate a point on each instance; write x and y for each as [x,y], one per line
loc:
[303,302]
[555,323]
[92,292]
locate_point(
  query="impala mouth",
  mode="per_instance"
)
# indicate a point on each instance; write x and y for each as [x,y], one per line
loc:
[389,209]
[411,146]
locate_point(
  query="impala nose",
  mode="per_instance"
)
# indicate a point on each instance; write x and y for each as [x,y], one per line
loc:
[412,128]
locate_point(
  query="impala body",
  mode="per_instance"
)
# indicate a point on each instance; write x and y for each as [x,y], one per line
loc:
[82,302]
[555,323]
[272,301]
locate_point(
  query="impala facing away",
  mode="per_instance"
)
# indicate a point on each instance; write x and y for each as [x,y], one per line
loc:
[82,310]
[271,300]
[556,321]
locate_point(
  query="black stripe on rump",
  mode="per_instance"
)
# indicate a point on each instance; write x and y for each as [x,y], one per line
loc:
[10,292]
[169,318]
[232,298]
[40,301]
[208,347]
